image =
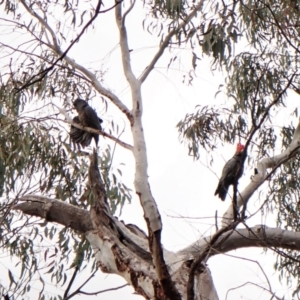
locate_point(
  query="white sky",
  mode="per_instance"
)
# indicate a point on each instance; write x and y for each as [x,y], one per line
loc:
[181,186]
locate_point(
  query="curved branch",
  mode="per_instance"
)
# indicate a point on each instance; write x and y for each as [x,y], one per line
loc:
[257,236]
[263,165]
[257,285]
[63,55]
[43,23]
[100,292]
[78,219]
[55,45]
[167,39]
[262,175]
[127,12]
[198,265]
[99,87]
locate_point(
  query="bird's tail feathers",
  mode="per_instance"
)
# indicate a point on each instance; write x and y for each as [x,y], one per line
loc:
[221,191]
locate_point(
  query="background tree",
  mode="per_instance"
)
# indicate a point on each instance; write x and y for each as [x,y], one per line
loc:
[41,175]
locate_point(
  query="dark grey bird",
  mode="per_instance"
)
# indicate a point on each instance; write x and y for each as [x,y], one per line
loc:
[78,136]
[87,117]
[231,173]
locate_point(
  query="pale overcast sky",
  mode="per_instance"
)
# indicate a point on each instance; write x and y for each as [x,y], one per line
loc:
[181,186]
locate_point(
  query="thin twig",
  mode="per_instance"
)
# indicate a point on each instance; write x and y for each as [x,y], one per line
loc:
[71,282]
[104,291]
[167,39]
[248,282]
[77,291]
[55,46]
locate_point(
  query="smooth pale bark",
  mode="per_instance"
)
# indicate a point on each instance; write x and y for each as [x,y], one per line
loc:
[257,236]
[141,183]
[118,249]
[153,271]
[125,251]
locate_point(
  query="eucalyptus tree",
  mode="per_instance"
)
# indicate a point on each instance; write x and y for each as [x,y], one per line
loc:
[43,176]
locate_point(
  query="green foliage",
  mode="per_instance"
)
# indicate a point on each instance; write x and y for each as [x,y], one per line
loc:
[257,84]
[209,125]
[172,8]
[116,191]
[35,154]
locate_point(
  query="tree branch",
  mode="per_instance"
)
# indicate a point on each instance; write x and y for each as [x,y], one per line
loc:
[93,130]
[66,297]
[257,236]
[100,292]
[58,211]
[100,89]
[63,55]
[198,265]
[71,282]
[55,45]
[55,211]
[167,39]
[125,48]
[264,164]
[151,213]
[263,288]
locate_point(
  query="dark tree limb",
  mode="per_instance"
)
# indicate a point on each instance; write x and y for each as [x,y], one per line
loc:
[71,282]
[198,265]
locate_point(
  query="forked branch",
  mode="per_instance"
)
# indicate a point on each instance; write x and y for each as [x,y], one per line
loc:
[262,175]
[151,213]
[91,77]
[167,40]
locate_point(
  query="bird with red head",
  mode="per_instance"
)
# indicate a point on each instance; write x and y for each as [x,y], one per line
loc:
[232,172]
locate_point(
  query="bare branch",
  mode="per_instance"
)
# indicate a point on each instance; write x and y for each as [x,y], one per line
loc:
[55,47]
[248,282]
[78,290]
[167,40]
[125,48]
[55,211]
[257,236]
[71,282]
[257,263]
[198,264]
[127,12]
[100,89]
[100,292]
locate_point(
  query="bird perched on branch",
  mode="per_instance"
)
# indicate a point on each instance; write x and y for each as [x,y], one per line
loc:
[87,117]
[231,173]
